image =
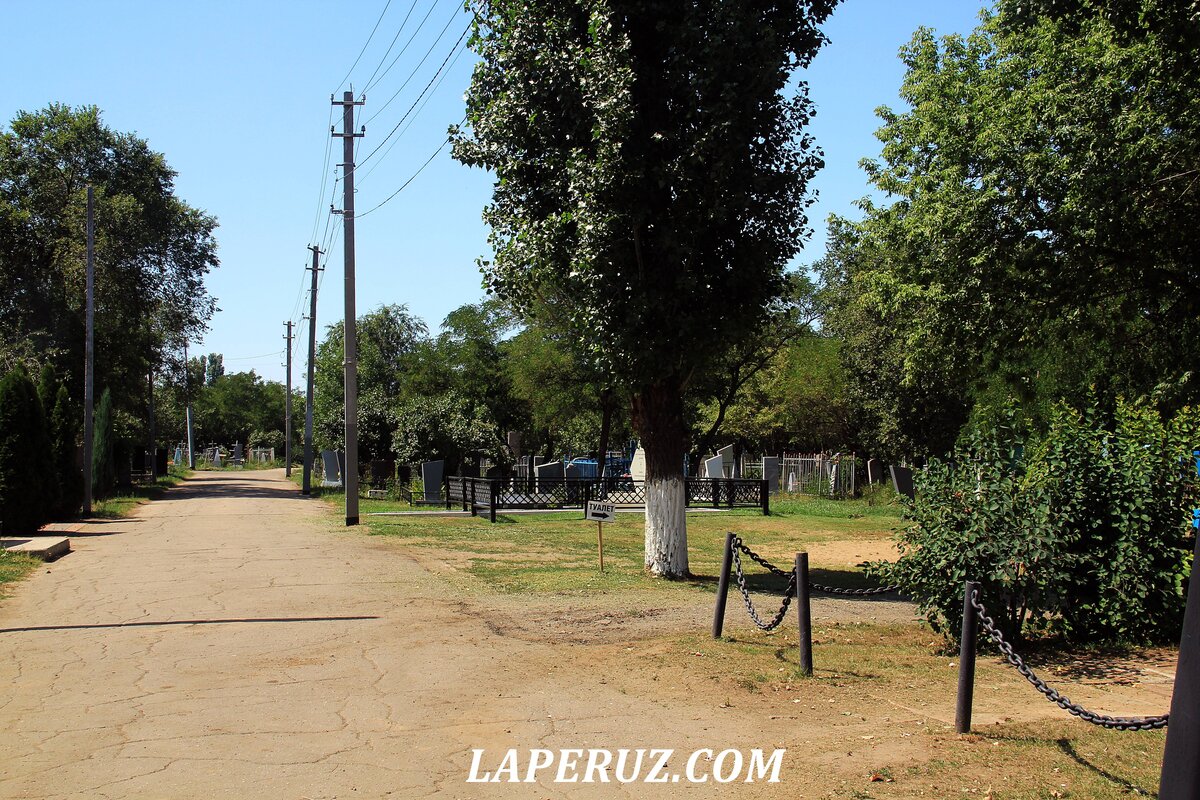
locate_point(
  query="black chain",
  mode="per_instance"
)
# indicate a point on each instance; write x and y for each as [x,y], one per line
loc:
[816,587]
[741,584]
[1116,723]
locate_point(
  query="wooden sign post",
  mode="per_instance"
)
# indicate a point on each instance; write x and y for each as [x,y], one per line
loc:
[601,512]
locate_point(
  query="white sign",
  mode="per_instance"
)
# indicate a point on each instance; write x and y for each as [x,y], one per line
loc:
[601,512]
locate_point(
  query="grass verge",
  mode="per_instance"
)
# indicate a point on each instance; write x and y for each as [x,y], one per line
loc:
[121,504]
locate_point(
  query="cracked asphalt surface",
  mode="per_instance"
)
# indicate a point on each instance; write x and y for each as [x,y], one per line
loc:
[227,642]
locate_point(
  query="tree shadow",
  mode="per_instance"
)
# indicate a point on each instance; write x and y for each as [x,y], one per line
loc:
[1128,786]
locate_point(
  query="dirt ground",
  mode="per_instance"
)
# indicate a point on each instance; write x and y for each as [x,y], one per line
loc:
[231,642]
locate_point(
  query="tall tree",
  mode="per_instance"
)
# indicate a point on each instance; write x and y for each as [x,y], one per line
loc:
[28,491]
[153,251]
[1038,241]
[651,182]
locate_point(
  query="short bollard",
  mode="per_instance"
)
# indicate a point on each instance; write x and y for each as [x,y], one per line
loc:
[723,587]
[966,661]
[804,614]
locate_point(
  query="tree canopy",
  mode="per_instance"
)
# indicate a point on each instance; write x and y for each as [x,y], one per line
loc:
[651,178]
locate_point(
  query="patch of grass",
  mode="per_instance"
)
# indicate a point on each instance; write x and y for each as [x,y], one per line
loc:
[14,567]
[122,503]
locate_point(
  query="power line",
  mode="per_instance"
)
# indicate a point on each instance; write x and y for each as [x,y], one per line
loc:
[445,61]
[420,64]
[404,49]
[411,178]
[425,103]
[369,83]
[364,47]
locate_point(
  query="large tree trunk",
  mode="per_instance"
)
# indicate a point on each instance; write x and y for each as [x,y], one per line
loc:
[657,410]
[607,406]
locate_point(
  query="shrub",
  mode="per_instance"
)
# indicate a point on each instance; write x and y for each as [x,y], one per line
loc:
[104,476]
[27,489]
[1084,533]
[65,424]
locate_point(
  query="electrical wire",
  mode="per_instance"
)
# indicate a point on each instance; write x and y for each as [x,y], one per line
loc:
[445,61]
[421,63]
[370,81]
[364,47]
[395,141]
[404,49]
[413,177]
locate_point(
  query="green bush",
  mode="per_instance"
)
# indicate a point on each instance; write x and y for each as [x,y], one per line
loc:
[1084,532]
[65,424]
[104,477]
[28,491]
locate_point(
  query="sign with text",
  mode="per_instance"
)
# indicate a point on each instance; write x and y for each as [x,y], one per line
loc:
[601,512]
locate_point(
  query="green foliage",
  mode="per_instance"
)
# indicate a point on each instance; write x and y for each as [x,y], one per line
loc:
[1082,531]
[104,476]
[28,491]
[66,425]
[1035,242]
[153,251]
[446,426]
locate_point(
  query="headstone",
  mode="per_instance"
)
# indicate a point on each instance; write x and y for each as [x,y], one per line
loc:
[902,481]
[514,443]
[381,473]
[377,494]
[726,455]
[332,475]
[431,476]
[216,459]
[160,461]
[178,455]
[548,472]
[573,470]
[237,456]
[637,467]
[874,471]
[714,467]
[792,482]
[771,473]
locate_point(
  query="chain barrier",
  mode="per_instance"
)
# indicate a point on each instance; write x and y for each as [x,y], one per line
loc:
[1116,723]
[741,584]
[816,587]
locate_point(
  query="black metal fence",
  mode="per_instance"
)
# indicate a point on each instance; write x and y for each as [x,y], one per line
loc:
[478,495]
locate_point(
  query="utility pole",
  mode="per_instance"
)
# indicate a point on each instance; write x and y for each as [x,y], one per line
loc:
[350,327]
[187,394]
[89,359]
[287,408]
[306,488]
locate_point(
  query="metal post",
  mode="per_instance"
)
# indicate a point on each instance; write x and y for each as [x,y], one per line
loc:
[89,359]
[306,486]
[716,492]
[723,587]
[493,499]
[349,325]
[1180,779]
[287,408]
[966,661]
[804,614]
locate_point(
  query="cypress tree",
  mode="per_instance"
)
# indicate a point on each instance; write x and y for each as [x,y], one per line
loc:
[27,496]
[65,425]
[103,474]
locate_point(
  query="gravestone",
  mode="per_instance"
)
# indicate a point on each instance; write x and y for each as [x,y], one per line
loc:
[793,482]
[216,459]
[637,467]
[714,467]
[332,475]
[381,473]
[573,470]
[377,494]
[902,481]
[553,471]
[514,443]
[771,473]
[237,457]
[160,461]
[431,476]
[727,465]
[178,455]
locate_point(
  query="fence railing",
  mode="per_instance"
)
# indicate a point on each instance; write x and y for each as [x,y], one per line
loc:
[495,494]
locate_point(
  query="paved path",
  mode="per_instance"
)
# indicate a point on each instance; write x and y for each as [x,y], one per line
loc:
[231,642]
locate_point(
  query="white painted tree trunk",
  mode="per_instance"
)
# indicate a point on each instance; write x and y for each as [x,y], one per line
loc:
[666,527]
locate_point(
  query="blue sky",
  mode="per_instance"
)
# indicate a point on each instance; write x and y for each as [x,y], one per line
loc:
[236,95]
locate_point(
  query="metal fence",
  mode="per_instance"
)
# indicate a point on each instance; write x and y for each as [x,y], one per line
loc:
[496,494]
[819,474]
